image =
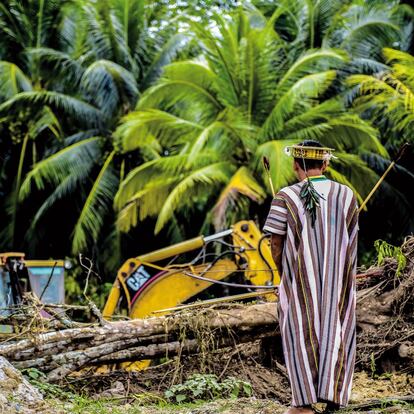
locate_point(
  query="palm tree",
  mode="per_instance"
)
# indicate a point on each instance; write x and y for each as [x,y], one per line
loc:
[361,28]
[387,98]
[210,120]
[103,55]
[23,26]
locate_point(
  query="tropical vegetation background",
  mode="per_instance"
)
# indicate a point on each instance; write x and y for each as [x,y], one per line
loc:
[126,125]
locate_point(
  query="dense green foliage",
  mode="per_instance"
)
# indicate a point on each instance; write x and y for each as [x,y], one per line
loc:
[126,124]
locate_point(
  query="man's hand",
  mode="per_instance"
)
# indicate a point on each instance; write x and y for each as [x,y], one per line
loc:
[276,244]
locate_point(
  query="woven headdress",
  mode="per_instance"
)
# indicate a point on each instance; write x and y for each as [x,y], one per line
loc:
[308,194]
[310,153]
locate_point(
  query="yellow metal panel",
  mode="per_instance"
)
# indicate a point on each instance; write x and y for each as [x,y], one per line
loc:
[32,263]
[248,236]
[170,251]
[44,263]
[112,301]
[12,254]
[6,255]
[174,287]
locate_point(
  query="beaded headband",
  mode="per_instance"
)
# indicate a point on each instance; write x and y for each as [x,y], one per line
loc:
[310,153]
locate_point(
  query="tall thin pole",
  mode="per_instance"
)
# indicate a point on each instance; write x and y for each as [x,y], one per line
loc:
[266,165]
[390,167]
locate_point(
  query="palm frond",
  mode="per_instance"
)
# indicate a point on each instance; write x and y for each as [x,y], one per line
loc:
[59,64]
[349,131]
[222,55]
[260,66]
[366,28]
[12,81]
[75,159]
[310,132]
[187,88]
[306,88]
[145,203]
[241,184]
[325,16]
[64,189]
[10,24]
[385,96]
[311,62]
[96,207]
[131,16]
[230,135]
[380,164]
[142,176]
[148,127]
[187,191]
[74,32]
[402,64]
[164,57]
[366,65]
[76,109]
[109,86]
[106,36]
[47,120]
[80,136]
[171,94]
[198,73]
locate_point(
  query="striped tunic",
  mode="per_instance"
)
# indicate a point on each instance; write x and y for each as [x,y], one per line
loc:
[317,291]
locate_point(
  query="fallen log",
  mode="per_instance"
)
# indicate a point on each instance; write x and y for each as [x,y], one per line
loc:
[244,317]
[64,351]
[104,356]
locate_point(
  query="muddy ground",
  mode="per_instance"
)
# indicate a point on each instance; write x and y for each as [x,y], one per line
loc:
[389,392]
[143,392]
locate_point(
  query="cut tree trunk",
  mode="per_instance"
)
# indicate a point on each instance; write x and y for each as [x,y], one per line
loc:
[61,352]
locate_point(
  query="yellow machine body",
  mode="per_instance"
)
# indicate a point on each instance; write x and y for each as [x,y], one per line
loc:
[169,286]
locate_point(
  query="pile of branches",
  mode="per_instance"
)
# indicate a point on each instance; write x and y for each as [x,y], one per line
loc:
[60,352]
[58,346]
[385,313]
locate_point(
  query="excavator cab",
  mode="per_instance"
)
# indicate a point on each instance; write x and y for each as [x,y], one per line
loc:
[45,278]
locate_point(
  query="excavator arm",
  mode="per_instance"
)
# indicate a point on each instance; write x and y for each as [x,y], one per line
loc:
[143,286]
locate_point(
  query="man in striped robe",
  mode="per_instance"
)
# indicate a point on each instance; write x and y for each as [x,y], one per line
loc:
[316,258]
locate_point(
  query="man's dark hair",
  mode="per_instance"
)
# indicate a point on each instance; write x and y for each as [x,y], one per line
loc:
[309,164]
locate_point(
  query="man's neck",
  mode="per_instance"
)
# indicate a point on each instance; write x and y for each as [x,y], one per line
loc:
[311,173]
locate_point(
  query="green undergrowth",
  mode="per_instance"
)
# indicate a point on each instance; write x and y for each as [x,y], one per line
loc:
[208,387]
[386,250]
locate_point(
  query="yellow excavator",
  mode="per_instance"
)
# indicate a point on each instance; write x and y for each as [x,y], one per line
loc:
[154,283]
